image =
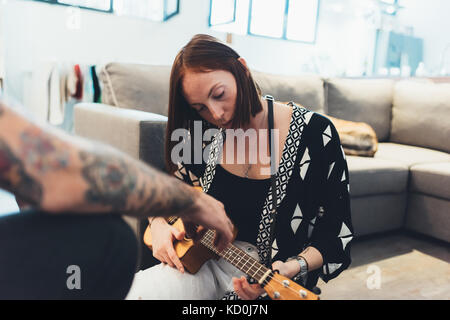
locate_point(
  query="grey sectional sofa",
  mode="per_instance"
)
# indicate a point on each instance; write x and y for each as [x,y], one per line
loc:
[406,185]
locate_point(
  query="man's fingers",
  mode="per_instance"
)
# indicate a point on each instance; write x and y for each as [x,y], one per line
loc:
[190,229]
[224,236]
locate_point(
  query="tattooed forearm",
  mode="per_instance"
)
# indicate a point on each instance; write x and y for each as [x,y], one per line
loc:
[41,152]
[110,181]
[132,188]
[14,178]
[60,173]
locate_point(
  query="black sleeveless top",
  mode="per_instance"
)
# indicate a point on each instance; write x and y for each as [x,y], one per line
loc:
[243,199]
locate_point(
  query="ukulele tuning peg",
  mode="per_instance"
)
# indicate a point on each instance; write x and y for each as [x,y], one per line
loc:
[303,293]
[276,295]
[286,283]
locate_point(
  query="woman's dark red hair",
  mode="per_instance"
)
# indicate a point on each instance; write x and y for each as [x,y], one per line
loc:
[204,53]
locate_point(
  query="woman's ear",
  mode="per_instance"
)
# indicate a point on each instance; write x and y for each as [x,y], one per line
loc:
[244,63]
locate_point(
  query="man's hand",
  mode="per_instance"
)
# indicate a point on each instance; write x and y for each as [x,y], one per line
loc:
[210,213]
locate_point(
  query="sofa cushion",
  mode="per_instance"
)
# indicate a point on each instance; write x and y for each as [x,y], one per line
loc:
[362,100]
[409,155]
[378,213]
[421,115]
[136,86]
[428,215]
[305,90]
[370,176]
[432,179]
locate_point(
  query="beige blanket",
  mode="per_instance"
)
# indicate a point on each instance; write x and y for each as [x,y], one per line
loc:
[357,138]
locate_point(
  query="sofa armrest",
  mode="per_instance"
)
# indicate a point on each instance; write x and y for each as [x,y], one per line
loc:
[137,133]
[120,128]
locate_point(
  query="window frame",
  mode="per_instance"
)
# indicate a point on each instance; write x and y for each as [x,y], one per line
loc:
[81,7]
[220,24]
[166,16]
[285,24]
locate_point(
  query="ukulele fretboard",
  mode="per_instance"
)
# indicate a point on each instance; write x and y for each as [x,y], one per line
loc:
[238,258]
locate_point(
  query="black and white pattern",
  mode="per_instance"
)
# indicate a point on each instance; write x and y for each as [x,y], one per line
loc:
[284,173]
[313,207]
[214,153]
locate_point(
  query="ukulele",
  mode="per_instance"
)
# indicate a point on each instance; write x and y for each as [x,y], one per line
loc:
[193,254]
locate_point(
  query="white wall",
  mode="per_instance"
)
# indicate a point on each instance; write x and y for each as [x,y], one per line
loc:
[37,33]
[431,21]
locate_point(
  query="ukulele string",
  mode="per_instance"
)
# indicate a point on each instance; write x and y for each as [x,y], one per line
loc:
[208,235]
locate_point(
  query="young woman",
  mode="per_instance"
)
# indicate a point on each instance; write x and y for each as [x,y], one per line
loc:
[211,85]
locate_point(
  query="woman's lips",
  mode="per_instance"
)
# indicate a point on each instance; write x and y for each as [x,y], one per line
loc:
[228,123]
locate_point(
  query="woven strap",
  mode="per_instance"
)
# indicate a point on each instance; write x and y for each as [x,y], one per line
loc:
[272,179]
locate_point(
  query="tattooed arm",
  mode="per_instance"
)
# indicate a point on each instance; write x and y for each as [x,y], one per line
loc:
[57,172]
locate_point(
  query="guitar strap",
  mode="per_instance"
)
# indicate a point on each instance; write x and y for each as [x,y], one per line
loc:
[273,172]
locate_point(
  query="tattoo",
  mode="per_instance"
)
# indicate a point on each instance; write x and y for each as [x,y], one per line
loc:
[40,152]
[14,178]
[110,181]
[132,188]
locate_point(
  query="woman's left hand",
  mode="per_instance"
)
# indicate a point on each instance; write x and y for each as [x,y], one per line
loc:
[247,291]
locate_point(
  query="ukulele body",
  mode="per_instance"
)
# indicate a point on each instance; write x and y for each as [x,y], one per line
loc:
[191,254]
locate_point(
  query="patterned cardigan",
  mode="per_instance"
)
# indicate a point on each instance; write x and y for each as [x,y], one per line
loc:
[312,185]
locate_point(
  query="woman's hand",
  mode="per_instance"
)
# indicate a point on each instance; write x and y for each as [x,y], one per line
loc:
[163,236]
[247,291]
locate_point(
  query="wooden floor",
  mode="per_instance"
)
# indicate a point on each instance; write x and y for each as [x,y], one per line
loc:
[393,266]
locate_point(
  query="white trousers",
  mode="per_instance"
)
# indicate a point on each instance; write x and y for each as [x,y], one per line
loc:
[211,282]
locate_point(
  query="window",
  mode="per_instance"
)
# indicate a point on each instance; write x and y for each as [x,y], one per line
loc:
[283,19]
[155,10]
[222,12]
[267,18]
[104,5]
[97,5]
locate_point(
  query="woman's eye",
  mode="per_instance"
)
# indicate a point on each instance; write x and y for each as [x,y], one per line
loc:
[219,96]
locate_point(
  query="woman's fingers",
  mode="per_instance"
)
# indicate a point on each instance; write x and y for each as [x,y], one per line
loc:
[245,290]
[175,261]
[237,284]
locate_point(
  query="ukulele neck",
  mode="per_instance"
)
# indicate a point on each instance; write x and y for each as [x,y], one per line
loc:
[239,259]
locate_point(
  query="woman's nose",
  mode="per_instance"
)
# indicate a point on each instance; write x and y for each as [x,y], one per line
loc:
[217,113]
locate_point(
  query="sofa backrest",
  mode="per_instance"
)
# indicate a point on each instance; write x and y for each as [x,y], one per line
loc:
[136,86]
[305,90]
[421,115]
[362,100]
[146,87]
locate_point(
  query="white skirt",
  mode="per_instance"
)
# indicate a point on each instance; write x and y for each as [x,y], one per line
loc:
[211,282]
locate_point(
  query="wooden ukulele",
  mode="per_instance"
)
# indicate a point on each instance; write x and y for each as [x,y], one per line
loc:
[193,254]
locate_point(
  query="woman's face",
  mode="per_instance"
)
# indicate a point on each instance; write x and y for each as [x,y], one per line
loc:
[212,94]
